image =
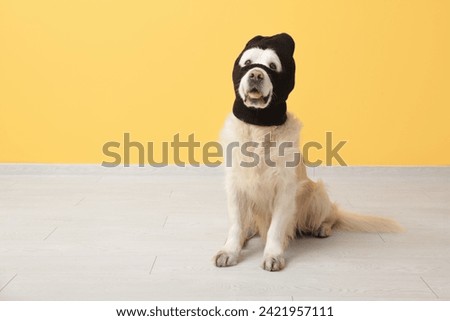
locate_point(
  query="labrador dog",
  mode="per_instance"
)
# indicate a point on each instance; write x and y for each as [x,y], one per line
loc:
[268,191]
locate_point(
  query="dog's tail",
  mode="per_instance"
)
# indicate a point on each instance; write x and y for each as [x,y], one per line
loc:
[348,221]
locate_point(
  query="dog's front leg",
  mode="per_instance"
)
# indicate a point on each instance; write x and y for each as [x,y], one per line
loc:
[229,253]
[281,227]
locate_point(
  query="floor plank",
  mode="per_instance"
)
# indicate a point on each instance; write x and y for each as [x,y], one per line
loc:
[74,232]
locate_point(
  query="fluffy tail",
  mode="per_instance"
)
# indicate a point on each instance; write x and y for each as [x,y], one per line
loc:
[364,223]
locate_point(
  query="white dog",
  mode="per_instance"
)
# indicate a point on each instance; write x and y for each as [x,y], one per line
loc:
[267,187]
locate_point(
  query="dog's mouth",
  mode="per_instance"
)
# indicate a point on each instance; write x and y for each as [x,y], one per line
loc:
[255,96]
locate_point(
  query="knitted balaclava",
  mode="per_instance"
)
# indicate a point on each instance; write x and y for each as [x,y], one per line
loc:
[282,80]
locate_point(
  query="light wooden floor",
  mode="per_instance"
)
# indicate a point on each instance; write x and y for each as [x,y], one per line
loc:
[91,233]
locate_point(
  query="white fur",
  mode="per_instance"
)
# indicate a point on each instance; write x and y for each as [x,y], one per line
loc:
[260,196]
[276,201]
[261,56]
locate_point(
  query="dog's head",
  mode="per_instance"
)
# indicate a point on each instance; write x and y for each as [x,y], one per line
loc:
[264,72]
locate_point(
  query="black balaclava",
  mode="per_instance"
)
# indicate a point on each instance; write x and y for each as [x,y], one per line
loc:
[283,82]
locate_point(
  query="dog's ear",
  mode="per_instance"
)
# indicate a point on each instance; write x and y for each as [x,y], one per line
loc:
[252,41]
[287,41]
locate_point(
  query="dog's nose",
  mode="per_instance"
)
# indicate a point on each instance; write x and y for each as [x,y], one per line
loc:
[256,75]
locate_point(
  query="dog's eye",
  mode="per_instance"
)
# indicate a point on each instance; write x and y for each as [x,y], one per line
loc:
[273,66]
[247,62]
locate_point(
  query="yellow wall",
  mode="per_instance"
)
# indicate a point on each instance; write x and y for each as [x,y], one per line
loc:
[76,74]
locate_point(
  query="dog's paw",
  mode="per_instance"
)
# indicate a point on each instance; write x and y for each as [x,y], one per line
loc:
[322,232]
[273,263]
[223,259]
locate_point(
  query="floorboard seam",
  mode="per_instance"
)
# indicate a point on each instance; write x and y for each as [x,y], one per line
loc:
[81,200]
[154,261]
[45,239]
[8,282]
[165,221]
[437,296]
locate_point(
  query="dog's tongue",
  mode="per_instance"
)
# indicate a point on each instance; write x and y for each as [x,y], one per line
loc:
[254,94]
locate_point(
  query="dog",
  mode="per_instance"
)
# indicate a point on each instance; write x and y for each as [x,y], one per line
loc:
[274,198]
